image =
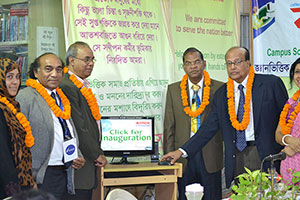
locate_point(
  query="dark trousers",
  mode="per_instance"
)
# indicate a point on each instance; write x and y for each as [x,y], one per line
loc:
[55,181]
[247,158]
[79,195]
[196,173]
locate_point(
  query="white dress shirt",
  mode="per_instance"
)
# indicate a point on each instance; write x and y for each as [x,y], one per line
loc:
[249,132]
[57,152]
[191,91]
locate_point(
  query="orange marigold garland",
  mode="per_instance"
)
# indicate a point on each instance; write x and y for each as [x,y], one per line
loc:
[88,95]
[66,114]
[286,127]
[205,98]
[29,139]
[231,109]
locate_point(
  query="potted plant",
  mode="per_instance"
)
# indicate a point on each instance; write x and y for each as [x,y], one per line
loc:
[251,184]
[249,187]
[293,186]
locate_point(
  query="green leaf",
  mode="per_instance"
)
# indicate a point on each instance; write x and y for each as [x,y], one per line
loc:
[248,170]
[234,188]
[296,174]
[255,173]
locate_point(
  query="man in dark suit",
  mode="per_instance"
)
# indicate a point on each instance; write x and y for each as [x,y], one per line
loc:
[80,61]
[247,139]
[205,167]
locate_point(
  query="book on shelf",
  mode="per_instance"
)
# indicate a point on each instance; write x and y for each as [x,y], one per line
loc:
[22,62]
[14,34]
[21,51]
[14,22]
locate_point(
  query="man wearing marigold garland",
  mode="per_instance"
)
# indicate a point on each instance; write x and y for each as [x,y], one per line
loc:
[248,129]
[85,113]
[48,111]
[205,167]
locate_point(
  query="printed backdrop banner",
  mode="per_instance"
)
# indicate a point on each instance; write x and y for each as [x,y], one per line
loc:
[276,25]
[207,25]
[133,42]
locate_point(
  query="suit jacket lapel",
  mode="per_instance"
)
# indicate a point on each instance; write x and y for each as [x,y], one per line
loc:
[66,76]
[185,130]
[44,107]
[188,118]
[225,102]
[257,94]
[204,115]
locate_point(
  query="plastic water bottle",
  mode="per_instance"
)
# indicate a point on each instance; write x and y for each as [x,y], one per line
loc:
[194,191]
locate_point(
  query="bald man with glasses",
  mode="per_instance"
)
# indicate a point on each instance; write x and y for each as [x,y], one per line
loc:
[80,61]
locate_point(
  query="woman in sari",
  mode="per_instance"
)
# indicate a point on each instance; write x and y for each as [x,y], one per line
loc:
[288,130]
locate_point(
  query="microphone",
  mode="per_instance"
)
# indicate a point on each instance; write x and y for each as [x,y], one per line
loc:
[279,156]
[274,157]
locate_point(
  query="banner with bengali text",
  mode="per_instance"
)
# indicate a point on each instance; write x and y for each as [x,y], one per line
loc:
[136,55]
[275,42]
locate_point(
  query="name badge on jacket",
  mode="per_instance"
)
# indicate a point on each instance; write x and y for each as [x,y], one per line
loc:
[70,150]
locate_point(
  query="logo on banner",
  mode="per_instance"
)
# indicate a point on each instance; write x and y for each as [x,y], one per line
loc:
[263,16]
[295,8]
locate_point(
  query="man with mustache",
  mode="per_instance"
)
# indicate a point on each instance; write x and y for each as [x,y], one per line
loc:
[48,111]
[180,125]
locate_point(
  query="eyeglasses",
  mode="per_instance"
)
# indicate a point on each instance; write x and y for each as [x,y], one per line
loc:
[86,60]
[236,63]
[189,64]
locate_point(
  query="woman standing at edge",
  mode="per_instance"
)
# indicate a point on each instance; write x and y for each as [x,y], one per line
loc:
[288,130]
[15,135]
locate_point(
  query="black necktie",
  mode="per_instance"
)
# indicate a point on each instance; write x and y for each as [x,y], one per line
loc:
[240,135]
[63,123]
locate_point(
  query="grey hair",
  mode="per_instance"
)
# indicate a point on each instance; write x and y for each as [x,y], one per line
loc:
[73,48]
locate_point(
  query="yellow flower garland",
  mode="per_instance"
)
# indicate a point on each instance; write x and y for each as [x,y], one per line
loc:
[66,114]
[88,95]
[286,127]
[205,98]
[29,139]
[231,108]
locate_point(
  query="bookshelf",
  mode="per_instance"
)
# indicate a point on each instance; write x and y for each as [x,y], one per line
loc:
[40,13]
[14,32]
